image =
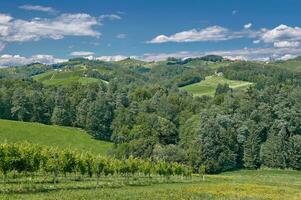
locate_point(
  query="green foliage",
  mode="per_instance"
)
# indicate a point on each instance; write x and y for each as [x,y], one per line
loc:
[28,158]
[145,113]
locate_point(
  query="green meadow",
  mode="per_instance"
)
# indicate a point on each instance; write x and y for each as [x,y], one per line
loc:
[243,184]
[208,86]
[49,135]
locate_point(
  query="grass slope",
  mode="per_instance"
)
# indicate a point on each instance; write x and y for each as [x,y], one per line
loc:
[66,137]
[65,77]
[237,185]
[208,86]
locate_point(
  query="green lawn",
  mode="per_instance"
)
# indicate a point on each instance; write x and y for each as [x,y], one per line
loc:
[66,137]
[237,185]
[208,86]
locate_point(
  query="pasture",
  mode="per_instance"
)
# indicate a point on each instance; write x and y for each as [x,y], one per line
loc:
[208,86]
[49,135]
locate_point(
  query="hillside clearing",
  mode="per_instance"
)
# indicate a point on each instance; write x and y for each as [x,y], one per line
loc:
[208,86]
[65,137]
[65,77]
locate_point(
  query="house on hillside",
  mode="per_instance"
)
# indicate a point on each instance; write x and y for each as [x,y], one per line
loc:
[218,73]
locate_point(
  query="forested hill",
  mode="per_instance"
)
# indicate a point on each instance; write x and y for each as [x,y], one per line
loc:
[144,108]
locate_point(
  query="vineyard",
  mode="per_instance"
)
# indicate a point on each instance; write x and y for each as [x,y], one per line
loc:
[27,168]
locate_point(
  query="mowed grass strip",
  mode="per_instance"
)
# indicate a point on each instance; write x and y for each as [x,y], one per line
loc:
[208,86]
[57,136]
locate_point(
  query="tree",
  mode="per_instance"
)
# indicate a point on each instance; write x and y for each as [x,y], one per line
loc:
[20,105]
[100,117]
[38,107]
[217,143]
[169,153]
[294,154]
[221,89]
[202,171]
[81,113]
[60,116]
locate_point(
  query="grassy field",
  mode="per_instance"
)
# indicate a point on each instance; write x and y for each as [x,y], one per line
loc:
[243,184]
[66,137]
[208,86]
[65,77]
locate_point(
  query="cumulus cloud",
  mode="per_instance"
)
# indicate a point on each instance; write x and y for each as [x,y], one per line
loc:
[4,18]
[286,44]
[281,32]
[7,60]
[212,33]
[81,53]
[248,25]
[259,54]
[111,58]
[18,30]
[282,36]
[37,8]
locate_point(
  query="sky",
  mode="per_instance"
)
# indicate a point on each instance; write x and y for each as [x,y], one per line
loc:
[52,31]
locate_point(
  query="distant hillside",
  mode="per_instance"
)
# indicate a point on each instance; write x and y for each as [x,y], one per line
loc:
[14,131]
[131,62]
[68,75]
[208,86]
[292,64]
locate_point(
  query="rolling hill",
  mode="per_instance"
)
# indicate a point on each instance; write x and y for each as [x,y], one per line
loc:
[208,86]
[65,137]
[66,76]
[292,64]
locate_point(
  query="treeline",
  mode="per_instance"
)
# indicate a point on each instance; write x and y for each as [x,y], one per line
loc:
[147,119]
[260,73]
[32,159]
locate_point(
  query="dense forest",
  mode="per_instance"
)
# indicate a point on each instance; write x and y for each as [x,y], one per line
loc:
[144,111]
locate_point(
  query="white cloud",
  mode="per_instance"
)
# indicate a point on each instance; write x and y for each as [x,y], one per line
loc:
[17,30]
[4,19]
[112,58]
[121,36]
[286,44]
[282,36]
[287,57]
[213,33]
[38,8]
[234,12]
[110,17]
[81,53]
[17,60]
[248,25]
[259,54]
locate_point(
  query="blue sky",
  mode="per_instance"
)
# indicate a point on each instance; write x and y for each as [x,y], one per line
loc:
[53,30]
